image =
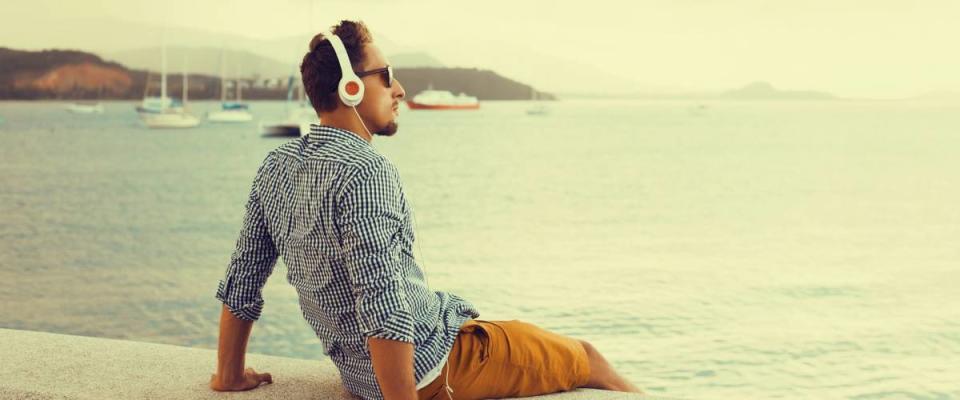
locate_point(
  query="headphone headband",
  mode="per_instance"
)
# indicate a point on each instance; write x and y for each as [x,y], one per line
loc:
[342,57]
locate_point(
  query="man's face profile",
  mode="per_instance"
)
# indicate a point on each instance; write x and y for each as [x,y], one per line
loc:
[381,103]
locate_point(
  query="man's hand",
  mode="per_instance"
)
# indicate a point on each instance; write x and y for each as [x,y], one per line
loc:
[249,380]
[231,375]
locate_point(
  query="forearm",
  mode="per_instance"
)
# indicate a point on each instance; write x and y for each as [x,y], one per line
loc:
[232,348]
[393,367]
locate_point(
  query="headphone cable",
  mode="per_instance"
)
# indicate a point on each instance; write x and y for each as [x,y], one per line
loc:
[361,122]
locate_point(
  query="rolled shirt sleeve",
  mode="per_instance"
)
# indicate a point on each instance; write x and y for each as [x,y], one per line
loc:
[371,218]
[252,262]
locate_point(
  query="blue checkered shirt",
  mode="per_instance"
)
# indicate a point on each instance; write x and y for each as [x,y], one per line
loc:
[334,209]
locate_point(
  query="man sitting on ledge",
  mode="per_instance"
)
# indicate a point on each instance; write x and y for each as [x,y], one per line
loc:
[335,210]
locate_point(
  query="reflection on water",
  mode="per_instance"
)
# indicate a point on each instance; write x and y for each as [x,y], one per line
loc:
[748,250]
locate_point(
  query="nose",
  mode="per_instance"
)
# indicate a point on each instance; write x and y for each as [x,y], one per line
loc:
[398,90]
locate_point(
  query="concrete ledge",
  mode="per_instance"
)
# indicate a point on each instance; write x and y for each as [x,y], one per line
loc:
[39,365]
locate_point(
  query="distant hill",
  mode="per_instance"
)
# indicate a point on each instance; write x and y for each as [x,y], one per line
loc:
[766,91]
[484,84]
[61,73]
[70,74]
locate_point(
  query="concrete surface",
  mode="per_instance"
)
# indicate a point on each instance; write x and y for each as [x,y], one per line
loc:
[38,365]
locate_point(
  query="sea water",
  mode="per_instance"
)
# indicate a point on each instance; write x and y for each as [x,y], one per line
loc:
[711,250]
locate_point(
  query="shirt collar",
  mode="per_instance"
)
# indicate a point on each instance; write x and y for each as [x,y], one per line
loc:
[320,132]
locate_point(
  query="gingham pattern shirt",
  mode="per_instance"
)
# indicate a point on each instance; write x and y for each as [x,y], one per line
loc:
[335,210]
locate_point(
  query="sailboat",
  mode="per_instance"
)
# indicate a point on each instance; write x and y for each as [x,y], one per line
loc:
[432,99]
[166,116]
[233,111]
[298,118]
[538,107]
[83,107]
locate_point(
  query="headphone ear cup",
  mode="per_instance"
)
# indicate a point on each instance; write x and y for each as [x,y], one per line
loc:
[351,90]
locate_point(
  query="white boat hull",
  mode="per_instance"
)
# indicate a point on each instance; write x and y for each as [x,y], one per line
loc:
[285,128]
[85,108]
[230,116]
[442,100]
[169,120]
[297,124]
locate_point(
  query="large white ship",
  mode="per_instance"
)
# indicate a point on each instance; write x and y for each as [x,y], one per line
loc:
[442,100]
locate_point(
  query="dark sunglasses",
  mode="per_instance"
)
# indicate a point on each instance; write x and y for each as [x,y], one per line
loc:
[386,73]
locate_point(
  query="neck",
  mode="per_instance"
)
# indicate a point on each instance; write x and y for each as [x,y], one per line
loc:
[344,118]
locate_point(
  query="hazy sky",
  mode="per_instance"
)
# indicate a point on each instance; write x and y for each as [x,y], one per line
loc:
[876,48]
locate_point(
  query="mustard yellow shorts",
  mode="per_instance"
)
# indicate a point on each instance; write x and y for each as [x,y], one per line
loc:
[496,359]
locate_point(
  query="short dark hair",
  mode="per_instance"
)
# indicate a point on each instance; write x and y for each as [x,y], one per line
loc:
[321,70]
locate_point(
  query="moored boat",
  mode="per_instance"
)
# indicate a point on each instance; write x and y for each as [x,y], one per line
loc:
[230,116]
[298,118]
[167,116]
[538,107]
[431,99]
[296,124]
[85,108]
[171,119]
[230,111]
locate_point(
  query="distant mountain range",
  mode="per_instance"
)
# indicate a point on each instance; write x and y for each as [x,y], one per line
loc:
[266,64]
[69,74]
[262,65]
[136,45]
[66,74]
[133,44]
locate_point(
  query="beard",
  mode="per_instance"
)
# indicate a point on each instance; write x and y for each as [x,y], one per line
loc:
[389,130]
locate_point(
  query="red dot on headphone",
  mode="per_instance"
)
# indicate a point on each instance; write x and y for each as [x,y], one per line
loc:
[352,88]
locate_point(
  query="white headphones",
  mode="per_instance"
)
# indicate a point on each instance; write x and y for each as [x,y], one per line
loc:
[350,87]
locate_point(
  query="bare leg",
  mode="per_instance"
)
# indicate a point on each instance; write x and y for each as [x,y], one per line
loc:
[602,375]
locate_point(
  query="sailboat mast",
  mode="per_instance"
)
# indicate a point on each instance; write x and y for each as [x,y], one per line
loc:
[163,73]
[239,100]
[223,75]
[303,93]
[146,85]
[186,85]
